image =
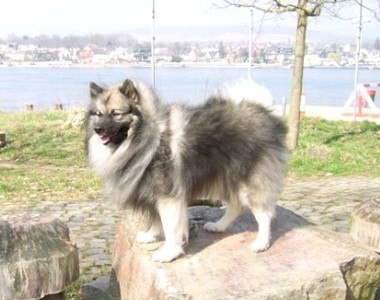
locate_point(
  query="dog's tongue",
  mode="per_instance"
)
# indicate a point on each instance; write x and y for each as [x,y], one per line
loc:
[106,138]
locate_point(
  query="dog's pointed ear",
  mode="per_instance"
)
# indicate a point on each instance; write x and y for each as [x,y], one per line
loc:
[128,90]
[95,90]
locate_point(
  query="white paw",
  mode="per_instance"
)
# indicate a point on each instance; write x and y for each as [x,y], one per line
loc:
[260,245]
[213,227]
[167,253]
[145,237]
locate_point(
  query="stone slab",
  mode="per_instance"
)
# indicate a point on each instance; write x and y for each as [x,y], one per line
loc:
[37,257]
[365,228]
[304,262]
[103,288]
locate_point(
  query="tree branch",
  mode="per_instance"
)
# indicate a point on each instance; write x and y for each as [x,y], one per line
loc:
[312,8]
[267,7]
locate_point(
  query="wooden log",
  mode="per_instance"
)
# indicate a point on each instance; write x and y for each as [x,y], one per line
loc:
[304,262]
[29,107]
[3,139]
[37,259]
[365,227]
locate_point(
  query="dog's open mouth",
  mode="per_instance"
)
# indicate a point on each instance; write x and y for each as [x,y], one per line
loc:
[106,139]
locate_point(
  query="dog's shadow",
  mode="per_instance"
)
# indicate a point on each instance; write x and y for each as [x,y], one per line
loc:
[284,222]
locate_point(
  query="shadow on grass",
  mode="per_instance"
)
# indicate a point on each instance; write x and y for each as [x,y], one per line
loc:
[366,128]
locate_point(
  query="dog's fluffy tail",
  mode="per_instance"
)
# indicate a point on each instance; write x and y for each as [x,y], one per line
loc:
[247,90]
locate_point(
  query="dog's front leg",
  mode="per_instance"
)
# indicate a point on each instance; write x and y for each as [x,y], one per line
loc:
[174,220]
[152,235]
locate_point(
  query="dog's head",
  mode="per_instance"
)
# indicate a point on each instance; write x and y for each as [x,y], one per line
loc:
[114,112]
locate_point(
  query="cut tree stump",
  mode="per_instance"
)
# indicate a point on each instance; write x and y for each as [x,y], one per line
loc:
[37,258]
[304,262]
[366,224]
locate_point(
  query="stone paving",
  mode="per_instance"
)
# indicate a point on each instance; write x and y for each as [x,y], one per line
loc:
[326,202]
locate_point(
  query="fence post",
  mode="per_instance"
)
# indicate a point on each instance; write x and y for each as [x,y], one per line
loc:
[58,106]
[29,107]
[3,140]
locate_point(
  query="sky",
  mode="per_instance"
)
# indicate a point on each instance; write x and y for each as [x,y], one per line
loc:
[64,17]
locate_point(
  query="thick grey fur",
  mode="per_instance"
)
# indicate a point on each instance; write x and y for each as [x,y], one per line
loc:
[224,145]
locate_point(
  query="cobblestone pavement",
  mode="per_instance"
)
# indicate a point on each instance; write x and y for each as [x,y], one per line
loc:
[326,202]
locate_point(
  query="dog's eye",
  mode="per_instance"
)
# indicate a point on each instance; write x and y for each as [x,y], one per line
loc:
[118,113]
[95,113]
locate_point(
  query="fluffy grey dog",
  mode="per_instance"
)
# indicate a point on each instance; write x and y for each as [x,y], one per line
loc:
[157,158]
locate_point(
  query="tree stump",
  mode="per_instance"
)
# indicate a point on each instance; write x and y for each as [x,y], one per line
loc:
[37,258]
[3,140]
[366,224]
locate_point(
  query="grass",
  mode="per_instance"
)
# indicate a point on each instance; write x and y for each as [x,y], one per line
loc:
[41,138]
[45,159]
[336,148]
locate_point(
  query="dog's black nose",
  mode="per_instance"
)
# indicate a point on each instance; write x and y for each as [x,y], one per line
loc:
[99,130]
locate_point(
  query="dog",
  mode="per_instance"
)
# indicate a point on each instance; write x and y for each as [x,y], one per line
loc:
[156,158]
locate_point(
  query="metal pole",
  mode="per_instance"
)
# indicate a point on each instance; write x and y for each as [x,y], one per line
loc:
[284,103]
[153,47]
[358,46]
[250,46]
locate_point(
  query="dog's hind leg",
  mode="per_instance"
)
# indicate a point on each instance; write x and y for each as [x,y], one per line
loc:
[233,210]
[262,241]
[262,192]
[174,220]
[263,205]
[152,235]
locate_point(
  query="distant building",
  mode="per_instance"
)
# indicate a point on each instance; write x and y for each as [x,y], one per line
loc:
[312,60]
[85,55]
[101,58]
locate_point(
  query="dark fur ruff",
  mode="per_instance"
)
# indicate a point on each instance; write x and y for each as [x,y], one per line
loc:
[210,151]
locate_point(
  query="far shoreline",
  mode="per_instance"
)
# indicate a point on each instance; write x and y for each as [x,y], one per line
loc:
[66,64]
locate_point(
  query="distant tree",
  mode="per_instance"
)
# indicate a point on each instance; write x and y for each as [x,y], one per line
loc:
[304,9]
[142,52]
[43,40]
[176,49]
[334,46]
[56,41]
[222,50]
[376,45]
[71,41]
[336,56]
[243,54]
[176,58]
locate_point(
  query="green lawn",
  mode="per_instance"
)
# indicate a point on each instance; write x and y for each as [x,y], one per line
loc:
[336,148]
[44,159]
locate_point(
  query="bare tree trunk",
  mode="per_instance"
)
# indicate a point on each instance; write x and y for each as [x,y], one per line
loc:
[294,112]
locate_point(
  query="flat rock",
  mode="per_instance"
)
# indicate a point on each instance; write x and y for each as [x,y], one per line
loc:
[304,262]
[37,257]
[103,288]
[365,227]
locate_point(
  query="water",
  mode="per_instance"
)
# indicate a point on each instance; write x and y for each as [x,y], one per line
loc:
[44,87]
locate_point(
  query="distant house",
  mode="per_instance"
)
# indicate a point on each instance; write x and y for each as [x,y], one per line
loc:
[312,60]
[192,55]
[15,56]
[101,58]
[85,55]
[162,54]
